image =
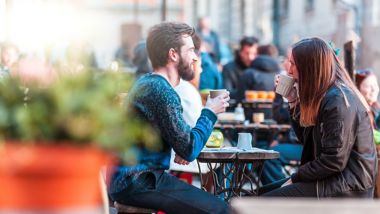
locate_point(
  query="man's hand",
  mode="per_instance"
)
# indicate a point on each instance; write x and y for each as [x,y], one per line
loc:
[219,103]
[180,160]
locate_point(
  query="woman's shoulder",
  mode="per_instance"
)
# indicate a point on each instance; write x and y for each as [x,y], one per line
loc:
[339,95]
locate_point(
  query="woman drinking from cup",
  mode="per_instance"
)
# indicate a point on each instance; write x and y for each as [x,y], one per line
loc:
[332,120]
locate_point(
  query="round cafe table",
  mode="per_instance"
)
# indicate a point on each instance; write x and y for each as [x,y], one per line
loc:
[233,168]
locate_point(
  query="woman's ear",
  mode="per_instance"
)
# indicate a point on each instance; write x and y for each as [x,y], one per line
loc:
[173,55]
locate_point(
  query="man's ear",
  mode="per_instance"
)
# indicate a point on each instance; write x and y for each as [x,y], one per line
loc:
[173,55]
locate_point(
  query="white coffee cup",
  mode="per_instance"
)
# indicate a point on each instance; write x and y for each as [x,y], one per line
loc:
[244,141]
[285,85]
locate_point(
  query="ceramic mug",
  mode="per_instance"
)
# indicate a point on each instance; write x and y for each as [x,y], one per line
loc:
[285,85]
[244,141]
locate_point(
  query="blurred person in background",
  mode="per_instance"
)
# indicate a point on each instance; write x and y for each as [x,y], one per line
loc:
[141,59]
[122,55]
[268,50]
[210,77]
[368,86]
[172,54]
[9,55]
[333,122]
[259,77]
[210,37]
[232,71]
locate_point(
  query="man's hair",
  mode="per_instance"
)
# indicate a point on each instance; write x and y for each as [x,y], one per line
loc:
[248,41]
[164,36]
[318,69]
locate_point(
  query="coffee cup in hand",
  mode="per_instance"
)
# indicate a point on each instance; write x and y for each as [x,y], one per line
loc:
[218,100]
[285,85]
[217,92]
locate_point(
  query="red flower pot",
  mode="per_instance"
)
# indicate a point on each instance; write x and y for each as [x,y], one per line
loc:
[50,177]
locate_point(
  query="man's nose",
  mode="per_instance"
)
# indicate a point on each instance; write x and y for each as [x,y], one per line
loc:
[195,58]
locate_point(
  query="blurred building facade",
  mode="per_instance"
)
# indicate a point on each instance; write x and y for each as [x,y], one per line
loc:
[112,24]
[333,20]
[234,19]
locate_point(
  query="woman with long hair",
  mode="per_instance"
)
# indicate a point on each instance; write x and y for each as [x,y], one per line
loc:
[332,120]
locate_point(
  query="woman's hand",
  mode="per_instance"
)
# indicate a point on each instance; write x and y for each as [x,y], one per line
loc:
[292,96]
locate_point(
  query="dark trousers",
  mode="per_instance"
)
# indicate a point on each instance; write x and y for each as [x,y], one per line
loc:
[293,190]
[161,191]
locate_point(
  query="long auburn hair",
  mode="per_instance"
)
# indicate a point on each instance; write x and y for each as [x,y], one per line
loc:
[318,69]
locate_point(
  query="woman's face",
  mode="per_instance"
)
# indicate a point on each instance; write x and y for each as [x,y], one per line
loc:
[291,67]
[370,89]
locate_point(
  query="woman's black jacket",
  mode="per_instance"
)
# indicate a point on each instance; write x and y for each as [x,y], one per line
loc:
[339,152]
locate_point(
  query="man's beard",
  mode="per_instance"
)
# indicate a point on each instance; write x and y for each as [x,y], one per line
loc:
[185,70]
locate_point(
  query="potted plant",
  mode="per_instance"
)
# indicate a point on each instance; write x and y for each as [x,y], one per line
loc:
[57,131]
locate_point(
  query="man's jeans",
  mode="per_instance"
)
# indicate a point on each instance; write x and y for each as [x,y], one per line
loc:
[161,191]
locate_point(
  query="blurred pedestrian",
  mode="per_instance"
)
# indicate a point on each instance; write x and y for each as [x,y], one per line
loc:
[368,86]
[141,60]
[268,50]
[210,37]
[210,77]
[233,71]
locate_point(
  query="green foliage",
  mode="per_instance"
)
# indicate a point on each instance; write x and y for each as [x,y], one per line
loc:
[77,108]
[376,135]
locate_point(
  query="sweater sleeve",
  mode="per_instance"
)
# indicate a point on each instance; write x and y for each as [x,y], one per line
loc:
[187,142]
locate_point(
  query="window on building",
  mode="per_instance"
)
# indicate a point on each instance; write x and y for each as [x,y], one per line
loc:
[309,5]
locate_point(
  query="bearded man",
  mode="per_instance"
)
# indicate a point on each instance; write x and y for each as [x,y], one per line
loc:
[172,54]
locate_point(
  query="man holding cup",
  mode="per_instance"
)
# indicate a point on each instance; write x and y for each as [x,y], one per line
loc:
[171,51]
